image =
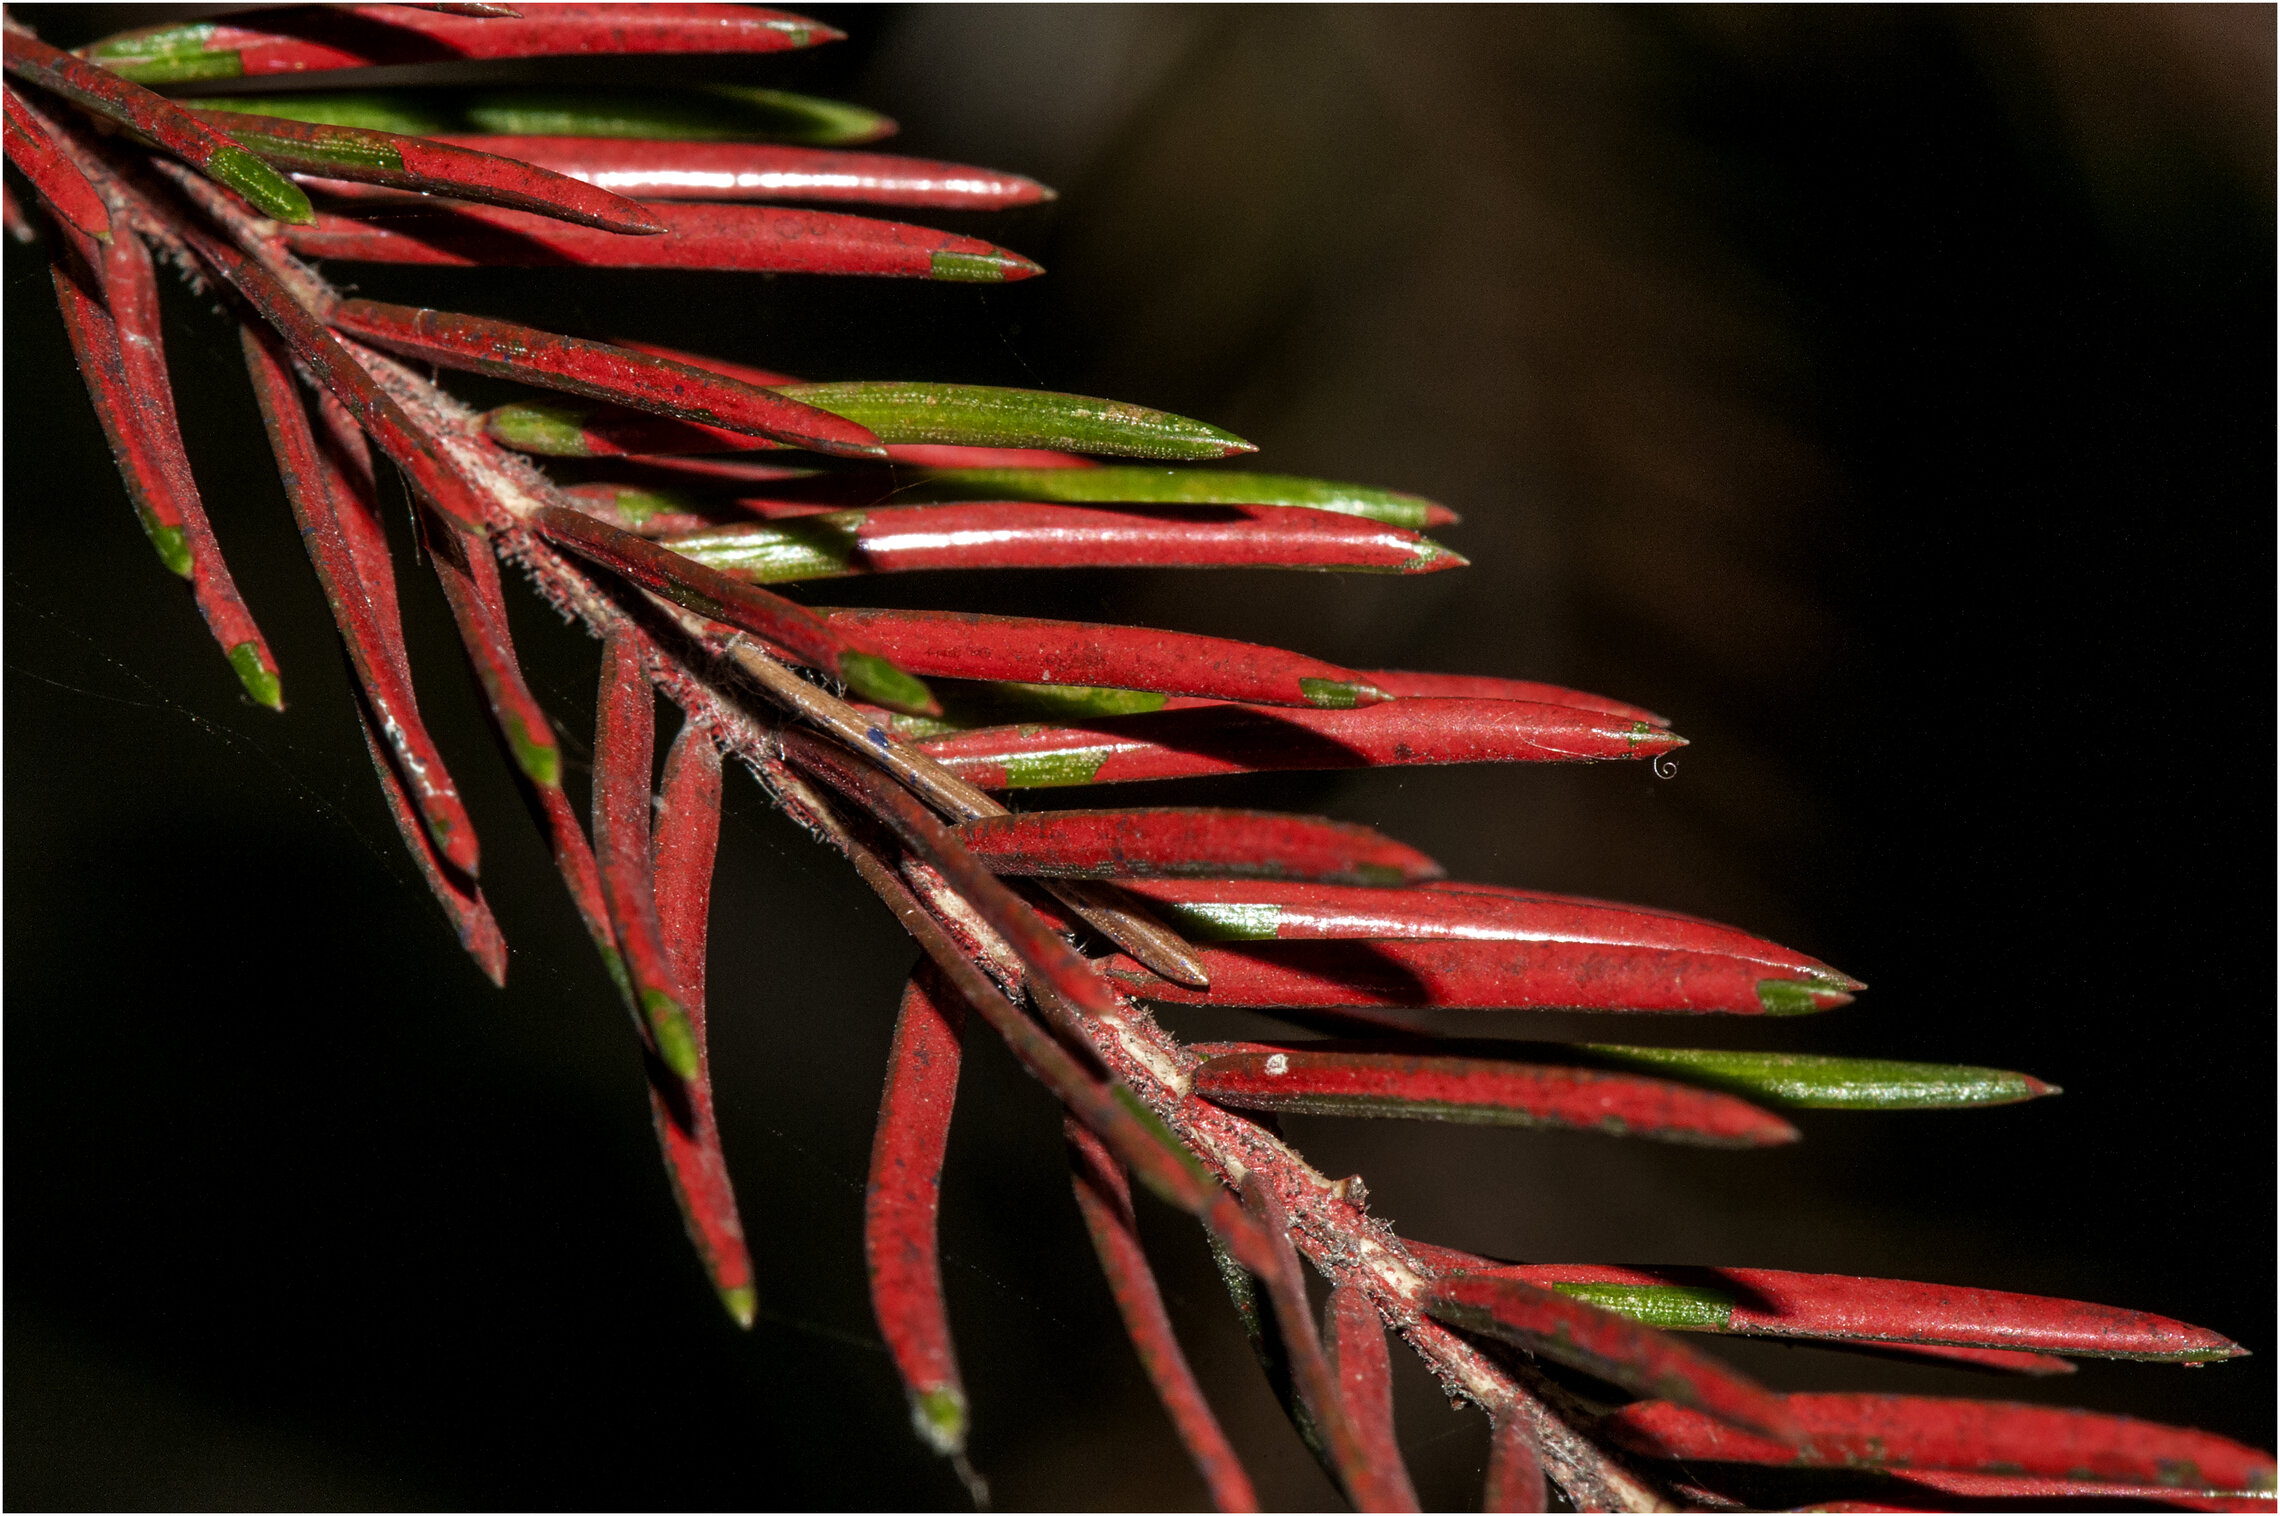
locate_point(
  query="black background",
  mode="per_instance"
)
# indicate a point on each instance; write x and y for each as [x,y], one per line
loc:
[1887,396]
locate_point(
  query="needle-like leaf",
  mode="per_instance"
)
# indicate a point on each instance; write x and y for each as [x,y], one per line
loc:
[1170,842]
[731,238]
[683,170]
[624,750]
[1358,1080]
[686,839]
[1244,739]
[1515,1475]
[1181,486]
[796,629]
[469,577]
[1689,1308]
[1807,1081]
[1104,1196]
[905,539]
[1842,1307]
[308,39]
[125,377]
[1353,1340]
[114,99]
[1457,910]
[956,646]
[62,187]
[1909,1431]
[598,370]
[1371,1484]
[414,164]
[901,1202]
[1488,976]
[1613,1348]
[461,899]
[374,646]
[979,415]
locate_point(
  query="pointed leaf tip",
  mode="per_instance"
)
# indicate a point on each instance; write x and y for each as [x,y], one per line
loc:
[258,674]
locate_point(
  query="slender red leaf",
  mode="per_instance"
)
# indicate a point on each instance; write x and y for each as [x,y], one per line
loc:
[62,187]
[746,238]
[461,899]
[1239,739]
[600,370]
[796,629]
[1136,1134]
[759,171]
[1515,1475]
[313,38]
[1017,534]
[126,380]
[345,465]
[952,645]
[1779,1303]
[1194,841]
[1487,976]
[1346,1081]
[1483,687]
[1370,1483]
[624,750]
[374,647]
[1455,910]
[901,1202]
[1910,1431]
[1609,1346]
[354,156]
[686,839]
[1105,1197]
[1691,1308]
[1353,1340]
[469,577]
[155,118]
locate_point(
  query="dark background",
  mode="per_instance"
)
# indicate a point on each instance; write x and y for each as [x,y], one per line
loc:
[1885,395]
